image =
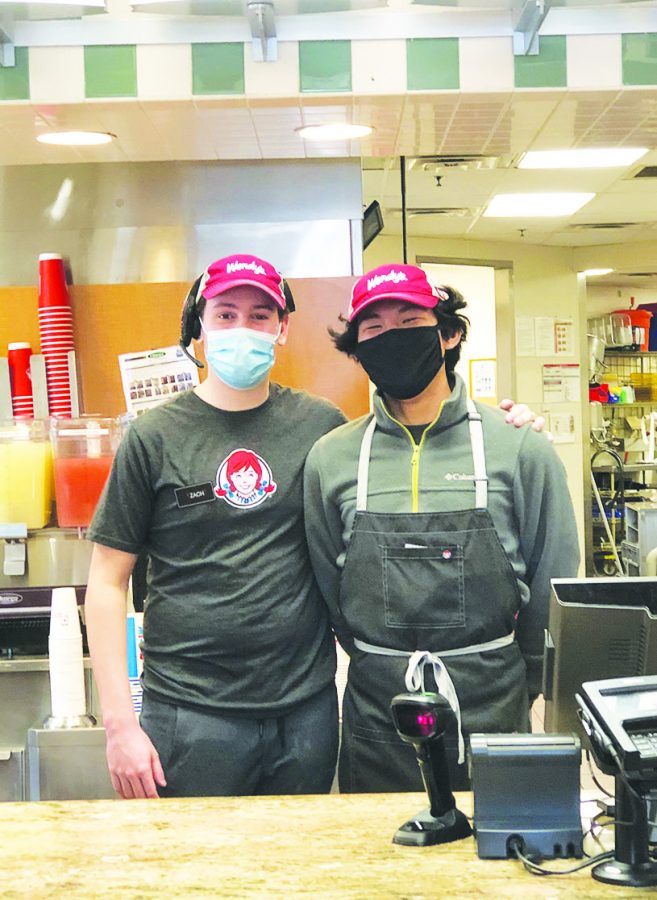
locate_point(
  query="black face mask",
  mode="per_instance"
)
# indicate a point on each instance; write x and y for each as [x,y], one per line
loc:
[401,362]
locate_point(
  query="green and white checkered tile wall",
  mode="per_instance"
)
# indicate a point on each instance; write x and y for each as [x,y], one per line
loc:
[181,71]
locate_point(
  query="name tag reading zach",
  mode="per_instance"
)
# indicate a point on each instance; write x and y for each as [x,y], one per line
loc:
[197,493]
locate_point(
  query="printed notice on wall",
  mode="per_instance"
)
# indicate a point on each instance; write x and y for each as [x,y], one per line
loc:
[562,427]
[561,383]
[151,376]
[545,345]
[564,337]
[525,337]
[545,336]
[483,381]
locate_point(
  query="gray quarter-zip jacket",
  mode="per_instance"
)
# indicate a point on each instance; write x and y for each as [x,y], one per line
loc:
[528,500]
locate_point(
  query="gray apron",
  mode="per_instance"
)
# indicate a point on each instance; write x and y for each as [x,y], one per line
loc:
[431,600]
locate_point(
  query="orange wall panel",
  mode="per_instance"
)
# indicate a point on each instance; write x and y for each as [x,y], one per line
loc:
[125,318]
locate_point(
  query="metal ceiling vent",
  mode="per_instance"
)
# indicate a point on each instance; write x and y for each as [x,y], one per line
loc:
[601,226]
[467,161]
[448,212]
[646,172]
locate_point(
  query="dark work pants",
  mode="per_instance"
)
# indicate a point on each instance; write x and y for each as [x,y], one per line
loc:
[204,754]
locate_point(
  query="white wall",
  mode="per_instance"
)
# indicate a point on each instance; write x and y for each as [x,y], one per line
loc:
[601,299]
[477,284]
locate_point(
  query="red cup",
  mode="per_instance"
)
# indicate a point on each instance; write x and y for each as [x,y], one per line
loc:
[56,328]
[22,402]
[52,281]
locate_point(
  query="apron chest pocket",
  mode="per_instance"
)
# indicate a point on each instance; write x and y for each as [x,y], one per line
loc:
[423,586]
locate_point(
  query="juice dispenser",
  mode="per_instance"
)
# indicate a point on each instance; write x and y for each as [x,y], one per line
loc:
[83,451]
[25,472]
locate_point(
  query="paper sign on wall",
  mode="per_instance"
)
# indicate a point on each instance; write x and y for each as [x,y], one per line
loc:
[151,376]
[483,380]
[545,336]
[562,426]
[561,383]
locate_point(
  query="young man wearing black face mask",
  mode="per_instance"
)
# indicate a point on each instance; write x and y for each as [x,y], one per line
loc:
[433,530]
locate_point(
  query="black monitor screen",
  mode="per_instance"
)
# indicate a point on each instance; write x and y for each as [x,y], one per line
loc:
[372,223]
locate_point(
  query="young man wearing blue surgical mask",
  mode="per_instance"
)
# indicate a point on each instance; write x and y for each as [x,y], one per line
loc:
[239,657]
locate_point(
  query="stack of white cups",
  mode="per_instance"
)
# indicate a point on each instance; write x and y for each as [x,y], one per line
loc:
[67,694]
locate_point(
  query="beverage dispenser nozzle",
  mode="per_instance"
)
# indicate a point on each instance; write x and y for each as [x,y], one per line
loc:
[14,555]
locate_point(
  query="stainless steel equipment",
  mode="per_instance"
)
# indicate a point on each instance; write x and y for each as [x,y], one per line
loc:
[67,764]
[54,557]
[12,774]
[596,356]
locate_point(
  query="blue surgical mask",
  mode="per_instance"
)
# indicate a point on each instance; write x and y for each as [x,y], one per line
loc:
[240,357]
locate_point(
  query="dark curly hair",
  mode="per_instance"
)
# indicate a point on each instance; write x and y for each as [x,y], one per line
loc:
[450,322]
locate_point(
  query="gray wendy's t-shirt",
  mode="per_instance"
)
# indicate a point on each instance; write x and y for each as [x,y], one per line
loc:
[233,618]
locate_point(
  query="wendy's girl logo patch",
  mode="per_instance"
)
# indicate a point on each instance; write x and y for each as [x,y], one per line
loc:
[244,479]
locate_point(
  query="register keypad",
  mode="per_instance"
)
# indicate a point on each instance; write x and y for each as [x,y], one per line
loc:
[646,744]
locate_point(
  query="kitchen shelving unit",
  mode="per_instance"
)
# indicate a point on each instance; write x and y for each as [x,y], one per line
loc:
[622,364]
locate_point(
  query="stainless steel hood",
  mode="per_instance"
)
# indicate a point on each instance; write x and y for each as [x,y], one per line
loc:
[164,221]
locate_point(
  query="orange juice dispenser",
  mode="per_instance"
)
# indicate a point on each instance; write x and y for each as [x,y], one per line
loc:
[83,452]
[25,473]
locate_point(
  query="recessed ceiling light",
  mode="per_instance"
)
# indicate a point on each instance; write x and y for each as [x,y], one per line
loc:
[334,131]
[591,273]
[592,158]
[531,205]
[75,138]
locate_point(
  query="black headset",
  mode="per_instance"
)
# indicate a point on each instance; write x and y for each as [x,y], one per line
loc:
[190,322]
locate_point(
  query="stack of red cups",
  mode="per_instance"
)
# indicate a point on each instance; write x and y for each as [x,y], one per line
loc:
[56,327]
[22,402]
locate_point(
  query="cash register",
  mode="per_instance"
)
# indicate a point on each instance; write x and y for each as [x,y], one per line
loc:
[619,716]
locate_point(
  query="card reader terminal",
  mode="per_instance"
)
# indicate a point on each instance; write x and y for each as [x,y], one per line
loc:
[620,715]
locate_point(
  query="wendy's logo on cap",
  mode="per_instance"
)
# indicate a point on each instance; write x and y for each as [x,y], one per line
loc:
[244,480]
[239,266]
[397,281]
[393,276]
[243,269]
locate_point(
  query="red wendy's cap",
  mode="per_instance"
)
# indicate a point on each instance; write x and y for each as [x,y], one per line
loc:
[394,282]
[242,268]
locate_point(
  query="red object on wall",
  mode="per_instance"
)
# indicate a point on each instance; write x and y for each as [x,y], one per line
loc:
[22,401]
[56,329]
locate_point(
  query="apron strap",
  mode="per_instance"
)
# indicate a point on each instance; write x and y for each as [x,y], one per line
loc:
[478,455]
[414,679]
[364,466]
[417,660]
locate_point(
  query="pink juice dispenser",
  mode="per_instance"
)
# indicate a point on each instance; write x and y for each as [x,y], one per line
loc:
[83,451]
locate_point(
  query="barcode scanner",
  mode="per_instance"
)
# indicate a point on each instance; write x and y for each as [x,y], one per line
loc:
[421,720]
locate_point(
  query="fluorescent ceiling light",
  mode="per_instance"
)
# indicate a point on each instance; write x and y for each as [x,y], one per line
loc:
[593,158]
[591,273]
[75,138]
[531,205]
[336,131]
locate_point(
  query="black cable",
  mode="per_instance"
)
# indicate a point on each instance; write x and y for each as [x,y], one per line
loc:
[595,780]
[535,869]
[402,170]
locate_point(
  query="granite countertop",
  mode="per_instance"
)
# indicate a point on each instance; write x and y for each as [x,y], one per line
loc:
[335,846]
